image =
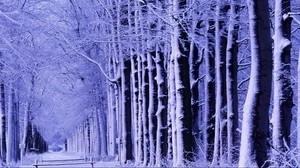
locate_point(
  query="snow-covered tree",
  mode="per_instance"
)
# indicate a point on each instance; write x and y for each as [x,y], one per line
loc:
[255,125]
[231,81]
[283,94]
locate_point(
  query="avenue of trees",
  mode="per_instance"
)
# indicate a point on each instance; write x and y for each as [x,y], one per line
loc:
[152,82]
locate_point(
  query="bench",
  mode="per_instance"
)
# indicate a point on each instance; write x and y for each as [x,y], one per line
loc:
[64,162]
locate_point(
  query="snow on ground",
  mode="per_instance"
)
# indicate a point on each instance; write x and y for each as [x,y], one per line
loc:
[29,160]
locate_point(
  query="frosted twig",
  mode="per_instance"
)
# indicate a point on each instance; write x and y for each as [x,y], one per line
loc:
[153,11]
[9,18]
[88,58]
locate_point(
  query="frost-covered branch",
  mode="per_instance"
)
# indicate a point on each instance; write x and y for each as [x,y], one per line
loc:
[243,81]
[291,14]
[153,11]
[10,19]
[113,80]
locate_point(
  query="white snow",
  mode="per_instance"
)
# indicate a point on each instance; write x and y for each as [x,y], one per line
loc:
[65,155]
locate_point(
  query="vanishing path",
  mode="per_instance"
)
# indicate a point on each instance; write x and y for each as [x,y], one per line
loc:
[65,156]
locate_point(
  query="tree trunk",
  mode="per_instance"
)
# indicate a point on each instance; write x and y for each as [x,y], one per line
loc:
[145,95]
[140,137]
[172,108]
[209,91]
[231,85]
[103,144]
[10,159]
[126,112]
[161,142]
[16,123]
[194,62]
[255,126]
[3,124]
[220,56]
[152,107]
[25,130]
[220,139]
[135,100]
[140,115]
[112,119]
[298,104]
[183,111]
[283,93]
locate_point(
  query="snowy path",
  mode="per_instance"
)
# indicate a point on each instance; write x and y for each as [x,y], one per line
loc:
[66,155]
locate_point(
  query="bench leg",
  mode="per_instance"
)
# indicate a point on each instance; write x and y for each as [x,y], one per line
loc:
[36,162]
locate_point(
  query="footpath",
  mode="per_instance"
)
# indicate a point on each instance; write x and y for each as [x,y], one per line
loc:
[63,160]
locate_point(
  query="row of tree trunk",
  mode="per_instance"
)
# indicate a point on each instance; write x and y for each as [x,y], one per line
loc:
[156,99]
[18,134]
[89,138]
[155,112]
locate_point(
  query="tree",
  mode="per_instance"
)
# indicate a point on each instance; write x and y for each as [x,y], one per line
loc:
[220,57]
[3,120]
[180,54]
[283,93]
[209,89]
[231,79]
[255,126]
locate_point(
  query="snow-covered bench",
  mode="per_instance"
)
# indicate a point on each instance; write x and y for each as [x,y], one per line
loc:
[63,162]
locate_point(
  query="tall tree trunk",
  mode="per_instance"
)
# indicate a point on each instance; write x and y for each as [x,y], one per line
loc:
[231,85]
[3,123]
[140,114]
[183,111]
[140,138]
[112,119]
[134,77]
[145,84]
[194,62]
[209,91]
[172,108]
[10,159]
[220,57]
[298,104]
[219,84]
[16,123]
[152,107]
[161,142]
[126,112]
[255,126]
[145,95]
[283,93]
[101,120]
[135,100]
[25,130]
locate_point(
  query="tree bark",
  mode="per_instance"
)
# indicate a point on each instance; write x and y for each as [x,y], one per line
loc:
[194,61]
[231,79]
[152,107]
[220,58]
[209,91]
[145,95]
[283,93]
[126,112]
[3,124]
[255,126]
[179,40]
[10,146]
[161,142]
